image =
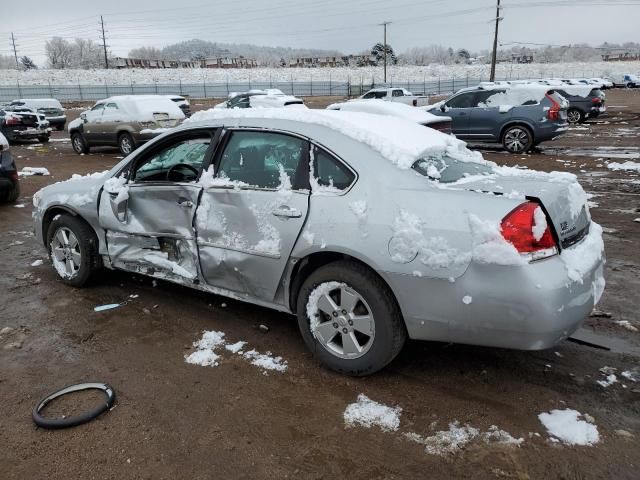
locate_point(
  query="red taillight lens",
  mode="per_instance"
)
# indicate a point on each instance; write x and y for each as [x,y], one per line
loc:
[596,100]
[554,112]
[518,228]
[12,120]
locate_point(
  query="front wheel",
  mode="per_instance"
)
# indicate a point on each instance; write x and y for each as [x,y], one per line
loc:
[73,248]
[126,144]
[349,319]
[575,116]
[517,139]
[79,144]
[43,139]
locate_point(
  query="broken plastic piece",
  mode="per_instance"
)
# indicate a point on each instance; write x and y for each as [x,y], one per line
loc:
[108,306]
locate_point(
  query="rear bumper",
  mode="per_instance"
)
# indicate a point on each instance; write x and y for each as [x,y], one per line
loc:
[550,132]
[532,307]
[26,134]
[6,185]
[57,121]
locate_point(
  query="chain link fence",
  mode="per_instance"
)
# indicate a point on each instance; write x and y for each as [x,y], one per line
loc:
[350,88]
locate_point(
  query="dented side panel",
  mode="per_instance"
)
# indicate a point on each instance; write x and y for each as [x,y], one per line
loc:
[245,237]
[155,234]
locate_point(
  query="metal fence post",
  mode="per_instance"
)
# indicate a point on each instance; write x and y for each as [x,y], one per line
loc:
[292,91]
[106,88]
[311,84]
[330,85]
[180,82]
[204,84]
[80,91]
[50,89]
[228,92]
[131,87]
[439,91]
[19,89]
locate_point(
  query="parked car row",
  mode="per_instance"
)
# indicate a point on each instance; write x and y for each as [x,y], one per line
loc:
[24,124]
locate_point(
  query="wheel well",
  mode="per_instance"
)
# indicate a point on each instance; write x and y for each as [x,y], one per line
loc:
[517,124]
[311,263]
[51,214]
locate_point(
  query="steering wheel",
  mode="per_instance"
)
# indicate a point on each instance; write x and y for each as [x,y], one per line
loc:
[181,165]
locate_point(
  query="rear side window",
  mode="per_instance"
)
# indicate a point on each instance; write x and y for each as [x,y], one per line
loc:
[381,94]
[330,172]
[98,107]
[397,93]
[464,100]
[257,158]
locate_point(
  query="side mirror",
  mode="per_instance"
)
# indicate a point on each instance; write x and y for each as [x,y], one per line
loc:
[443,108]
[83,116]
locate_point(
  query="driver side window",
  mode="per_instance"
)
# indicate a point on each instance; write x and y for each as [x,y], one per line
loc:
[463,100]
[180,162]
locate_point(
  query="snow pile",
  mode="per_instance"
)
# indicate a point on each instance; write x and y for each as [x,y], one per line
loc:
[368,413]
[624,166]
[489,246]
[496,435]
[398,140]
[206,356]
[580,259]
[566,427]
[626,324]
[382,107]
[117,185]
[446,441]
[539,224]
[608,381]
[28,171]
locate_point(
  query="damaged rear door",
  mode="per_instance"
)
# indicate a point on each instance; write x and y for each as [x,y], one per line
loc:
[148,218]
[252,212]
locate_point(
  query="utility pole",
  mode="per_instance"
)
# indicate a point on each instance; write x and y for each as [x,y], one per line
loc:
[104,44]
[492,78]
[15,52]
[384,24]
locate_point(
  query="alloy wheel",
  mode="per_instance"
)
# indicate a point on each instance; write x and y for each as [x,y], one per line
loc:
[516,140]
[573,116]
[65,253]
[125,145]
[77,144]
[342,321]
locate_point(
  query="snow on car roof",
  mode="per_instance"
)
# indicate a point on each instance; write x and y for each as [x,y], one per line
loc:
[380,107]
[39,102]
[144,106]
[398,140]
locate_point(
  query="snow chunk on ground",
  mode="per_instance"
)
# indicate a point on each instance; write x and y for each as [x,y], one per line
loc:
[566,426]
[446,441]
[28,171]
[235,347]
[624,166]
[266,361]
[608,381]
[205,355]
[500,436]
[36,263]
[626,324]
[368,413]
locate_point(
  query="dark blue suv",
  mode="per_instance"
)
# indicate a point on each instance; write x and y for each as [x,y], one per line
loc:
[518,117]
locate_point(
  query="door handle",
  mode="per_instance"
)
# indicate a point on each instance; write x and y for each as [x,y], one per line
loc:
[287,212]
[185,203]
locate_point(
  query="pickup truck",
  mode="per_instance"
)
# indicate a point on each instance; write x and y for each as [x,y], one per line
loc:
[396,95]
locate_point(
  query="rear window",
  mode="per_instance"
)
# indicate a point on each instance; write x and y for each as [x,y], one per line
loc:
[447,170]
[380,94]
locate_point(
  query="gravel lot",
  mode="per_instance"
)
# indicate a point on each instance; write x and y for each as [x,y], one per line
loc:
[176,420]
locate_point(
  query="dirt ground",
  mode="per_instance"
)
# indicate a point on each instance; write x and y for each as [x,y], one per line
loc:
[174,420]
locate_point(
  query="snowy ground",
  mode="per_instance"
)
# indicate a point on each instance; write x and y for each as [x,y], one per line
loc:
[355,75]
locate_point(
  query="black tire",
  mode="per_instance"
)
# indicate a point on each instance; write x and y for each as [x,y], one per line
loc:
[126,143]
[13,194]
[517,139]
[90,260]
[575,116]
[43,139]
[390,331]
[78,143]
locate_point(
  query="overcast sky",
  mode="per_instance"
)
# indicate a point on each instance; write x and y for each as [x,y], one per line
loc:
[349,26]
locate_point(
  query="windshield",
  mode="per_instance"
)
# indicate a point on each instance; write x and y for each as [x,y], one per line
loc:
[448,170]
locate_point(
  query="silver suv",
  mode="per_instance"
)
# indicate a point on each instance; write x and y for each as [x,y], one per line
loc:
[125,121]
[519,117]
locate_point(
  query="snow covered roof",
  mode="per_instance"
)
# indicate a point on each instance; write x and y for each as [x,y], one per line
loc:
[398,140]
[144,106]
[39,102]
[380,107]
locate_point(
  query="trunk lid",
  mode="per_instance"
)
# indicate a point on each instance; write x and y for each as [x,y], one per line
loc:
[564,202]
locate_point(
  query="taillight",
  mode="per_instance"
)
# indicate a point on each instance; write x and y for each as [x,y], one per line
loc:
[14,176]
[596,100]
[554,112]
[13,120]
[526,228]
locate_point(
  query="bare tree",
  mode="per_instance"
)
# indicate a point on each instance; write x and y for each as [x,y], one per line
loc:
[7,62]
[59,52]
[86,54]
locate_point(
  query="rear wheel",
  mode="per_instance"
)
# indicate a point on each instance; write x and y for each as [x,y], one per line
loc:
[126,143]
[517,139]
[11,195]
[575,116]
[78,143]
[73,248]
[349,319]
[43,139]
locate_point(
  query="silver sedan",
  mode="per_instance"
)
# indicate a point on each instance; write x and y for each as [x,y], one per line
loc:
[370,229]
